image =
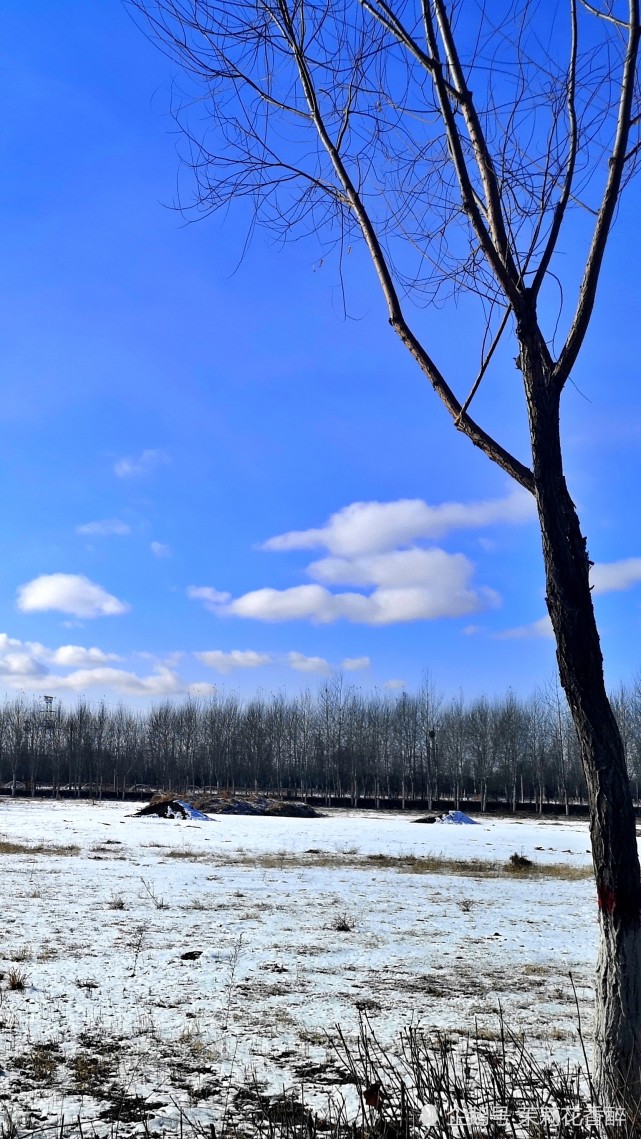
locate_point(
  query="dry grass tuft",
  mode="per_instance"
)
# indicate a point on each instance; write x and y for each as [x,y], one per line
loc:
[8,847]
[48,953]
[117,902]
[40,1062]
[22,953]
[16,980]
[342,923]
[91,1073]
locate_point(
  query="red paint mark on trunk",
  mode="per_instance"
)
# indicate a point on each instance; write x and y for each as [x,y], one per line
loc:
[607,899]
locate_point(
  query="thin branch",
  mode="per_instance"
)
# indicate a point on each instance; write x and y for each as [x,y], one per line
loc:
[562,204]
[397,320]
[605,15]
[346,115]
[587,294]
[468,197]
[484,366]
[480,148]
[632,153]
[389,20]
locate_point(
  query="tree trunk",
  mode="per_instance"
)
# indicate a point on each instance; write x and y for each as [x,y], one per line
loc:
[612,822]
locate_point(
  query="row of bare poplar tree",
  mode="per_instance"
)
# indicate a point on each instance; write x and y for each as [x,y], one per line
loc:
[338,741]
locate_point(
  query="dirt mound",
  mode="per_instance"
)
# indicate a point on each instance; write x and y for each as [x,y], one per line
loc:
[164,807]
[255,805]
[167,806]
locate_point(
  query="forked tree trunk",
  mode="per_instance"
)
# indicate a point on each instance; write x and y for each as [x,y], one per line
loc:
[612,821]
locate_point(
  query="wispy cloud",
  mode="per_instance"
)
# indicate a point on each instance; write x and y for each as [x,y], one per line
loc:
[69,593]
[394,683]
[605,577]
[106,527]
[201,688]
[355,664]
[225,662]
[614,577]
[540,628]
[142,464]
[213,599]
[301,663]
[160,550]
[162,682]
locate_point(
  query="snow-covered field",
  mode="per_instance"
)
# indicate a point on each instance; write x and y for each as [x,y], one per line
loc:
[170,961]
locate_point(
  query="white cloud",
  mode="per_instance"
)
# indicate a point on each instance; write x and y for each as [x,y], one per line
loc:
[27,664]
[74,656]
[301,663]
[201,688]
[399,568]
[373,527]
[163,682]
[540,628]
[612,577]
[29,658]
[355,664]
[605,577]
[394,683]
[300,601]
[448,596]
[225,662]
[69,593]
[160,550]
[20,660]
[141,464]
[398,584]
[105,526]
[212,598]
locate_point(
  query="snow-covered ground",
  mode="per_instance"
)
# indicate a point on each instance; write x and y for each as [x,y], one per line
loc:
[112,1002]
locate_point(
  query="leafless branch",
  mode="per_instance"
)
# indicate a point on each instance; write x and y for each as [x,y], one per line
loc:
[605,15]
[559,212]
[457,151]
[484,365]
[587,293]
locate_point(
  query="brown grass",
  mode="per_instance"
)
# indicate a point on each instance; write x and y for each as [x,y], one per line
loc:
[7,847]
[117,902]
[90,1073]
[20,954]
[412,864]
[40,1062]
[16,980]
[516,867]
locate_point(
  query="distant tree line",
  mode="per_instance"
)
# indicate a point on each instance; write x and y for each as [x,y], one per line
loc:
[338,742]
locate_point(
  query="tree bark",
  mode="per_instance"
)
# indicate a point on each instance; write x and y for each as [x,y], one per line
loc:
[612,819]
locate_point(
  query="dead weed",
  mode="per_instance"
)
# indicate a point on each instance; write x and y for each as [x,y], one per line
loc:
[8,847]
[412,864]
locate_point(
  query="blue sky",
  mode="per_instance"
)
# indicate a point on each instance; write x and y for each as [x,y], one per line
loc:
[210,477]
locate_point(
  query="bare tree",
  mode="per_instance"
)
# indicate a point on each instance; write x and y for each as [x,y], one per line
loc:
[478,727]
[468,145]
